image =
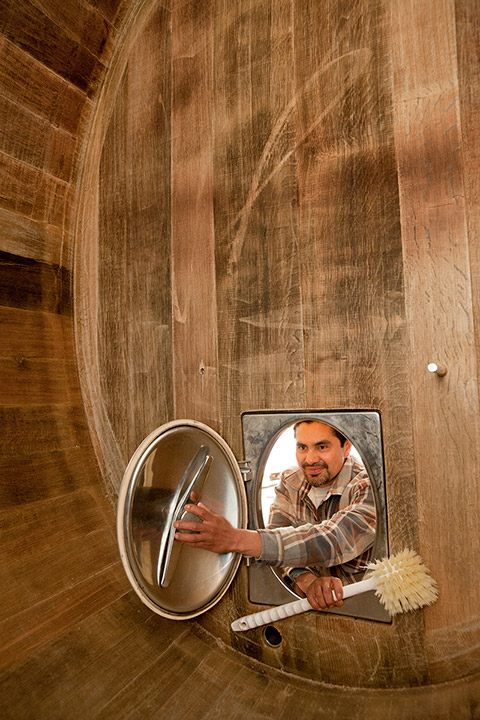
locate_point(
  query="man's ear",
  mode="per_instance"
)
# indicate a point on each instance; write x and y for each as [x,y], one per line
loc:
[346,448]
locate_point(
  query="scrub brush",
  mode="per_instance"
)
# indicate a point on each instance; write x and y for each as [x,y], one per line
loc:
[401,582]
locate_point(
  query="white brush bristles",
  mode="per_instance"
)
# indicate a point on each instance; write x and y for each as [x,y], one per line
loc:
[403,582]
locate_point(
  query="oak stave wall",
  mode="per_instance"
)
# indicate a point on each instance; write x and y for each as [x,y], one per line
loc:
[199,122]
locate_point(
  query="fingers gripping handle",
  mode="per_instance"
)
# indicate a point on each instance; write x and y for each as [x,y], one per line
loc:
[248,622]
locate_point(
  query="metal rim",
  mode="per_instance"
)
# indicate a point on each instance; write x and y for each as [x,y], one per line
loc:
[122,504]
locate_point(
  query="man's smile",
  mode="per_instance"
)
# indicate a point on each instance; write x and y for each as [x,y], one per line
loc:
[314,469]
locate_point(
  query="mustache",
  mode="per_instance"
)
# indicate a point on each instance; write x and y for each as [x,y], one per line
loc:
[315,465]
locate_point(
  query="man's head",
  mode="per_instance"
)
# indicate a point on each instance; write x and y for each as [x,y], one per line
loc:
[321,451]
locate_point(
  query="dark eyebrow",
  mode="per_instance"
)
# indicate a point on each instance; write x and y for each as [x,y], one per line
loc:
[320,442]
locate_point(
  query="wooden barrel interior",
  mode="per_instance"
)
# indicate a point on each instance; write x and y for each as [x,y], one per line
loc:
[209,208]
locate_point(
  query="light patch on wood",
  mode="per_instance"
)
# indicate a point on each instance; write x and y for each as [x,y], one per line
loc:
[439,304]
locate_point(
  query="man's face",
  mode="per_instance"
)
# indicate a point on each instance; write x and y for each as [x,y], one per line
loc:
[319,453]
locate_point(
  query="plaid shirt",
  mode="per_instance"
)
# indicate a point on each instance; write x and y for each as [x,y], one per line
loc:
[334,539]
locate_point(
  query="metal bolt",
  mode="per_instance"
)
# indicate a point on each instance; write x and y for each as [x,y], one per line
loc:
[440,370]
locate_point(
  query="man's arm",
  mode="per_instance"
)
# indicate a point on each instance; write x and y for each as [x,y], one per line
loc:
[340,539]
[216,534]
[344,536]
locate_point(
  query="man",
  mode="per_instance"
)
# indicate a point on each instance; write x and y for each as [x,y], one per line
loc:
[321,525]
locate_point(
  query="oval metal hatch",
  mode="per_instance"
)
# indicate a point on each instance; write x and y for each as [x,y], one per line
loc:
[173,579]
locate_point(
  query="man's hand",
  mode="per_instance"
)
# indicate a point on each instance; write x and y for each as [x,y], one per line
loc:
[216,534]
[318,590]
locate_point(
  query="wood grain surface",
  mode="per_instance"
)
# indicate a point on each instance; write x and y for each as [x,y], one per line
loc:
[440,309]
[59,561]
[208,208]
[39,32]
[134,321]
[260,334]
[195,360]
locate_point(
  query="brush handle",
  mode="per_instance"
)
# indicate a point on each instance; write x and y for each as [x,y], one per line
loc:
[294,608]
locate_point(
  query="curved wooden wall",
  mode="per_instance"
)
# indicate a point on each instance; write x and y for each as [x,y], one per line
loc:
[274,206]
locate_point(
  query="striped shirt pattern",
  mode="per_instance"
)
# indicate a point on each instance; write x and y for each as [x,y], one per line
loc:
[334,539]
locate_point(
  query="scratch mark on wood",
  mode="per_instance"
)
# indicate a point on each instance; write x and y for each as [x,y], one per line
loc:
[361,58]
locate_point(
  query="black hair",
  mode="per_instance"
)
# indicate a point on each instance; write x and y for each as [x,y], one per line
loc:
[341,437]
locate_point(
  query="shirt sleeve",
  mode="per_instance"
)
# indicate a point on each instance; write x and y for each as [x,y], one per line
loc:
[340,539]
[282,510]
[281,515]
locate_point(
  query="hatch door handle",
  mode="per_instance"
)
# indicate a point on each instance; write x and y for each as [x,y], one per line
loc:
[193,479]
